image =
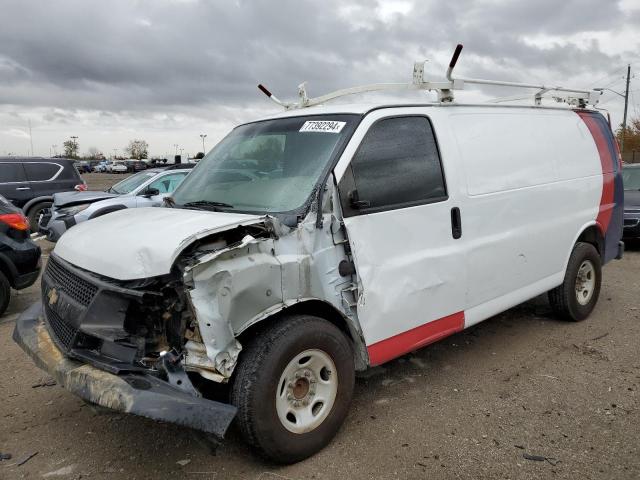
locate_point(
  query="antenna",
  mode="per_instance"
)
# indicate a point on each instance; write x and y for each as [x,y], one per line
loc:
[580,97]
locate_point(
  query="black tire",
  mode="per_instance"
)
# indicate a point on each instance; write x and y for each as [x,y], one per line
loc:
[257,377]
[563,299]
[5,293]
[34,214]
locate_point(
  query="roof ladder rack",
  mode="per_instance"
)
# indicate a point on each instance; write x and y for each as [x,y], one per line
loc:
[573,96]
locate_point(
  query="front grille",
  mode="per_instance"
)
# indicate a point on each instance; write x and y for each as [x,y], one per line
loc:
[63,332]
[70,283]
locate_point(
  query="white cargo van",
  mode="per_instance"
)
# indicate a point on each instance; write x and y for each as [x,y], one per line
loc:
[322,241]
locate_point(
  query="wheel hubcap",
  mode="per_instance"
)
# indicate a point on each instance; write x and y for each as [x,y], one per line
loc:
[307,391]
[585,282]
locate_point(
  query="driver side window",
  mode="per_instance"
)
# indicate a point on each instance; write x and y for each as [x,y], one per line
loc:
[167,183]
[397,165]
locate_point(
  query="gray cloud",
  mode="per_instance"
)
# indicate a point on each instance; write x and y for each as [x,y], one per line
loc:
[206,57]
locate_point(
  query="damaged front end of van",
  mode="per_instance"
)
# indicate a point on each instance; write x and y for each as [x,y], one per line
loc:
[163,346]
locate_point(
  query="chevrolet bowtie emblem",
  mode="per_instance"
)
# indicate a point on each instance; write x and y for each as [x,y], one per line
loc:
[52,296]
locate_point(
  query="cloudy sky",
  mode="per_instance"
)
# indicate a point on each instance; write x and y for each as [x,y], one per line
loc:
[168,70]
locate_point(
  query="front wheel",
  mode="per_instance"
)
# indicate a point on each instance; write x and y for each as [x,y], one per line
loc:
[293,387]
[34,214]
[576,298]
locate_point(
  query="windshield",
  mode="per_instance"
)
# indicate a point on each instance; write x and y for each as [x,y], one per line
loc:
[129,184]
[270,166]
[631,178]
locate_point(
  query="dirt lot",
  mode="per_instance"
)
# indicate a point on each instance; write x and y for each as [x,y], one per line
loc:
[472,406]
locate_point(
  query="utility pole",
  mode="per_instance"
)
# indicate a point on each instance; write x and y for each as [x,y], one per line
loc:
[626,104]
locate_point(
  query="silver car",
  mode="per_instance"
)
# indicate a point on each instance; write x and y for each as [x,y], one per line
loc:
[144,189]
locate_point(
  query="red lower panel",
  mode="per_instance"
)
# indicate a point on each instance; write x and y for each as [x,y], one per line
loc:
[411,340]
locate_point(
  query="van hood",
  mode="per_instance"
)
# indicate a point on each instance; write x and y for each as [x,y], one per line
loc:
[66,199]
[141,242]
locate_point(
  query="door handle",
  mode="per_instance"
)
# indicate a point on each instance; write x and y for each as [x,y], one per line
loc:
[456,223]
[23,188]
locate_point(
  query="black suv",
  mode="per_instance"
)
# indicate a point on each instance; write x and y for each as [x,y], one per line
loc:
[29,183]
[19,255]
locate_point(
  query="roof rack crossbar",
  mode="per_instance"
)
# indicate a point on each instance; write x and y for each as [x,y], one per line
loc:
[580,97]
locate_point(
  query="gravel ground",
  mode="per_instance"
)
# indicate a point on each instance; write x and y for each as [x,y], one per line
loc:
[474,405]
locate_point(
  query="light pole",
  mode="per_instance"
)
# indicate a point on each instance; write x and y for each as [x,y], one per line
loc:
[115,153]
[203,136]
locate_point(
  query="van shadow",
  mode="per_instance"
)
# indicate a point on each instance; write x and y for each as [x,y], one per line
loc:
[158,446]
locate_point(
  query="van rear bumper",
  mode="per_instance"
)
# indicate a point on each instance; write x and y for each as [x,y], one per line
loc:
[139,394]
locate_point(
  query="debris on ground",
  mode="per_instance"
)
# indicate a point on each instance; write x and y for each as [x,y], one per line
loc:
[5,456]
[68,470]
[540,458]
[25,458]
[44,382]
[184,462]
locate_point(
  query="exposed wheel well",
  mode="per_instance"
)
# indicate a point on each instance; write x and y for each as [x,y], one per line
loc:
[594,236]
[323,310]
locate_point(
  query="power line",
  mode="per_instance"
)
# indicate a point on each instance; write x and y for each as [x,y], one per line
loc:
[608,76]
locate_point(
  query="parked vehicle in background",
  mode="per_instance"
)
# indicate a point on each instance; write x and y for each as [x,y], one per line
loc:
[102,166]
[29,183]
[118,167]
[631,176]
[139,165]
[144,189]
[19,256]
[83,166]
[135,165]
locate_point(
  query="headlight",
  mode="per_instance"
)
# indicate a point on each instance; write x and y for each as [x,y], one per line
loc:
[74,209]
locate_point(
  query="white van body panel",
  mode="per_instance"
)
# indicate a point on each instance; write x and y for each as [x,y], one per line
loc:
[533,179]
[527,182]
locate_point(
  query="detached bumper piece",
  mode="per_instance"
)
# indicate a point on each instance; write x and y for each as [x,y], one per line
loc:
[139,394]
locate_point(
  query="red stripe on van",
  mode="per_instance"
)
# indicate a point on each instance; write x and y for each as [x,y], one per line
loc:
[606,200]
[411,340]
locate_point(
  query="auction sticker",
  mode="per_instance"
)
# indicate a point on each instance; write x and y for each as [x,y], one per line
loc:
[325,126]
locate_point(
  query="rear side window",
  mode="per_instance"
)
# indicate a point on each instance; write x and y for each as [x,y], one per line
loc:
[41,172]
[398,165]
[12,172]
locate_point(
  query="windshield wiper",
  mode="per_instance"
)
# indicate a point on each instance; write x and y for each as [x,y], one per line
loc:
[207,205]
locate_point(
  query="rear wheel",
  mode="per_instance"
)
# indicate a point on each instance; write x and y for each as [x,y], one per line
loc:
[34,214]
[576,298]
[5,293]
[293,387]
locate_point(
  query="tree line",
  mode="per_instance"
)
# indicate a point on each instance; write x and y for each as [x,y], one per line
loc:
[137,149]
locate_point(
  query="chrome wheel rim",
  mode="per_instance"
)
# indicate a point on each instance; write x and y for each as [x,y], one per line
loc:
[585,282]
[306,391]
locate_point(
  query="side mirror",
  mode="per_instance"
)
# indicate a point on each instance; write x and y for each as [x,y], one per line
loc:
[151,192]
[355,202]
